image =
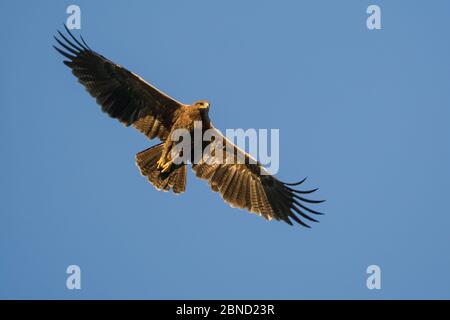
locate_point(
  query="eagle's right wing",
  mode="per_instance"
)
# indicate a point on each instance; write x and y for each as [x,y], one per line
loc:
[245,183]
[121,93]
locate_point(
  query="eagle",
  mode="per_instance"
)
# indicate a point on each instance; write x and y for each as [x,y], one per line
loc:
[127,97]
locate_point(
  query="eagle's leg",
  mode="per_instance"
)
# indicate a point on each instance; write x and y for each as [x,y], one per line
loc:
[166,166]
[164,161]
[160,163]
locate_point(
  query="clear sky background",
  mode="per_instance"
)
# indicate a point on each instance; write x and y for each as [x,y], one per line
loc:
[364,114]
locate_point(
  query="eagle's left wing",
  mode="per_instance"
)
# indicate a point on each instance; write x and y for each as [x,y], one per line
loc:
[247,185]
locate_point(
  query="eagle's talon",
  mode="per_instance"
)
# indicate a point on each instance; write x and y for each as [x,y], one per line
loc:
[166,166]
[160,163]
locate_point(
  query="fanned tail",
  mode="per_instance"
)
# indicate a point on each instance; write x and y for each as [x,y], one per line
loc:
[174,179]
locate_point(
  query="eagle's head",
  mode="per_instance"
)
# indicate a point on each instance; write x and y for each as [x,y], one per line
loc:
[202,104]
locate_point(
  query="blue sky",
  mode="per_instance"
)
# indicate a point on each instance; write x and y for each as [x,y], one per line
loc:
[364,114]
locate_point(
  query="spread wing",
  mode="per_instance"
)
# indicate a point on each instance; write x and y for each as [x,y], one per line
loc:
[244,183]
[121,94]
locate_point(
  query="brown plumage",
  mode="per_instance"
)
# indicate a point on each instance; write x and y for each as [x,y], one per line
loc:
[127,97]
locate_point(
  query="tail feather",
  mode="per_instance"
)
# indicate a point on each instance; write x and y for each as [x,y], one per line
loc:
[174,179]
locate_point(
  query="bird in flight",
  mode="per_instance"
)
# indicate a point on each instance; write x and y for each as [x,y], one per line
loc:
[125,96]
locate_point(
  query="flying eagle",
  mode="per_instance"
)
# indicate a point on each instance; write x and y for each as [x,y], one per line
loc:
[130,99]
